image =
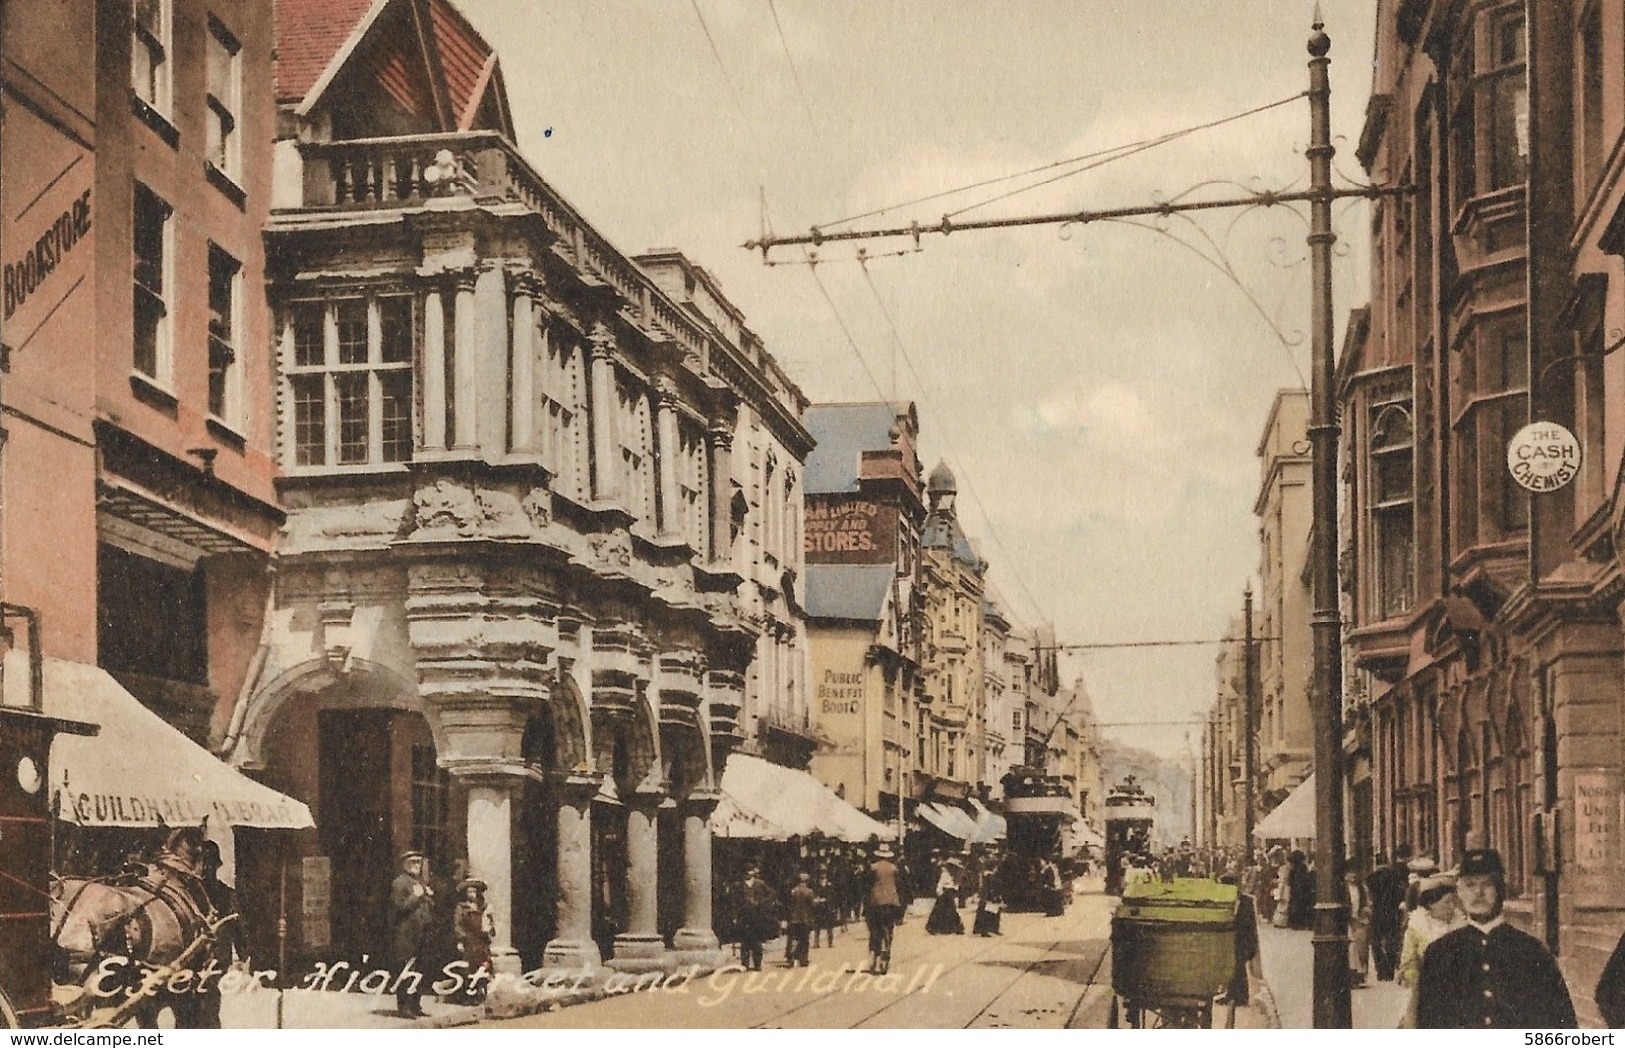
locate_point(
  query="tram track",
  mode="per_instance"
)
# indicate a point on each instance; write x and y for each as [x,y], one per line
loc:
[954,946]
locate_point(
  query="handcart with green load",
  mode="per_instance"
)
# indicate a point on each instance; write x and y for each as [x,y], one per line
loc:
[1173,952]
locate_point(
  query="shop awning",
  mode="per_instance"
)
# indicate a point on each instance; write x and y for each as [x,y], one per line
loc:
[989,824]
[1293,818]
[943,818]
[769,801]
[730,821]
[139,771]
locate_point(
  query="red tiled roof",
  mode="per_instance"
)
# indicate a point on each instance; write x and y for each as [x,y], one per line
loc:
[311,32]
[308,34]
[462,54]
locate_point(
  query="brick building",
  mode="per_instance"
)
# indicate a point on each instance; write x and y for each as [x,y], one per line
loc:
[1484,629]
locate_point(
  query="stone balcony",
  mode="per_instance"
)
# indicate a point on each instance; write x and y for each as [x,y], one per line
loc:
[318,181]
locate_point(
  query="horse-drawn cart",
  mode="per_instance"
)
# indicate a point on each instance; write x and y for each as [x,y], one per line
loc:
[25,862]
[1173,952]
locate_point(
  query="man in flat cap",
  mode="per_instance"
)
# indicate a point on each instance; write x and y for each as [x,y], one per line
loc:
[1488,974]
[412,909]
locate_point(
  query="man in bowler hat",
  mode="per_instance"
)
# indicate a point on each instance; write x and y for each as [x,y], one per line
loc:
[412,919]
[1488,974]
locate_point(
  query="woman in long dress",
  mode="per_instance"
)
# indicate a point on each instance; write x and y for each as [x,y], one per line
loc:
[990,907]
[944,919]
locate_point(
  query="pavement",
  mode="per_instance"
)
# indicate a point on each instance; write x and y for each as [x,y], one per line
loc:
[1289,964]
[1042,973]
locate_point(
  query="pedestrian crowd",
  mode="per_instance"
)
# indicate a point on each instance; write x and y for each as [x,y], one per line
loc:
[1443,936]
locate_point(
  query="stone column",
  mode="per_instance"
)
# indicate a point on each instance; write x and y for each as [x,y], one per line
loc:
[492,344]
[573,946]
[696,941]
[670,450]
[434,371]
[522,373]
[604,467]
[719,476]
[465,364]
[492,800]
[640,948]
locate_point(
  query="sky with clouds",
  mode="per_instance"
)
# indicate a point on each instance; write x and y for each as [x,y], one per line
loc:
[1099,389]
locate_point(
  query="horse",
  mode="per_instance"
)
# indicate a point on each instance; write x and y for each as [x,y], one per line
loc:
[108,932]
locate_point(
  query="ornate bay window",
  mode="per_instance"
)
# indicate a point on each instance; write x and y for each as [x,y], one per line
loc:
[1490,393]
[1392,487]
[1489,99]
[349,378]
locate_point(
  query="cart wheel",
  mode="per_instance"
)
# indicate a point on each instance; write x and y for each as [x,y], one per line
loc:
[8,1014]
[1111,1014]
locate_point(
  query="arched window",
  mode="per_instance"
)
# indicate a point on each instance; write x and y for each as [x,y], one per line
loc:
[1392,494]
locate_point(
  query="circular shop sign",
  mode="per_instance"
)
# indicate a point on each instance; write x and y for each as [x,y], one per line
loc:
[1543,456]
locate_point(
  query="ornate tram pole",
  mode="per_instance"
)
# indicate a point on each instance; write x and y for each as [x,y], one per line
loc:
[1331,982]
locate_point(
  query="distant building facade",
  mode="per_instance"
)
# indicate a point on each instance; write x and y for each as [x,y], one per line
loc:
[952,732]
[1285,741]
[863,512]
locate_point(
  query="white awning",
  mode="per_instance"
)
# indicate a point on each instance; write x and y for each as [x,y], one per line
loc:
[951,821]
[733,822]
[1293,818]
[778,802]
[139,771]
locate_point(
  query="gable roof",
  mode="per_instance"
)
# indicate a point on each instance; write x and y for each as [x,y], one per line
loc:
[844,432]
[309,34]
[316,39]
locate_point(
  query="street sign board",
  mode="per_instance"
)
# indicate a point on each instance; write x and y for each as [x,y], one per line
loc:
[1543,456]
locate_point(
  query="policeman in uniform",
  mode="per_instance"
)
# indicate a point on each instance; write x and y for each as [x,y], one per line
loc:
[1488,974]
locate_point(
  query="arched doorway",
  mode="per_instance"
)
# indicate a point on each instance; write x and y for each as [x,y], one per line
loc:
[358,748]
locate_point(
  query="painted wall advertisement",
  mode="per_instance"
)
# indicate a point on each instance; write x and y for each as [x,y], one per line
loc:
[845,529]
[46,236]
[1599,838]
[839,692]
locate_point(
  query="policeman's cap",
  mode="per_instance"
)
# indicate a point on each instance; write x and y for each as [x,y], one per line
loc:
[1481,861]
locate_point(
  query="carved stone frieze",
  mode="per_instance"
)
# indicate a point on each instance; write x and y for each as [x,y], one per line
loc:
[447,509]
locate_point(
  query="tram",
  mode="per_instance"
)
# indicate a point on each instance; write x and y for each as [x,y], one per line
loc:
[1036,807]
[1130,815]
